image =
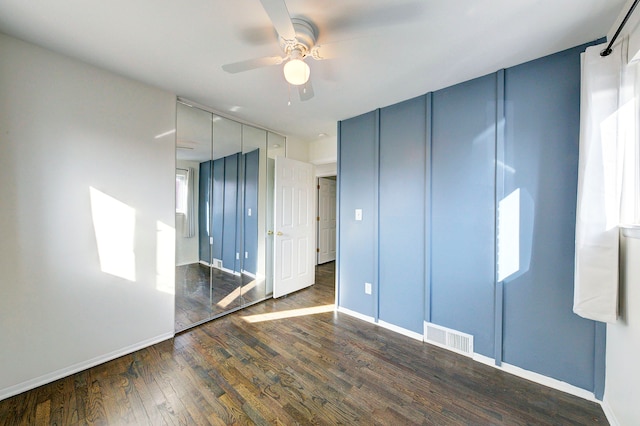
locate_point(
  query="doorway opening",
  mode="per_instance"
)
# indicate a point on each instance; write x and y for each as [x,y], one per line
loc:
[326,220]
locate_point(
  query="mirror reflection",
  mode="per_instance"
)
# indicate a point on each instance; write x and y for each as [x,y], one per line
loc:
[222,199]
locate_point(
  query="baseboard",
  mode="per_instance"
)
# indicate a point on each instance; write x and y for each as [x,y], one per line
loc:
[380,323]
[608,412]
[75,368]
[355,314]
[247,273]
[537,378]
[403,331]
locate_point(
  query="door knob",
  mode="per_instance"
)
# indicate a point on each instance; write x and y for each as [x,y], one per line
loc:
[269,232]
[279,233]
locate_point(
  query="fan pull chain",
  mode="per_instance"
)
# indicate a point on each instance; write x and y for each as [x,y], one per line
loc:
[289,87]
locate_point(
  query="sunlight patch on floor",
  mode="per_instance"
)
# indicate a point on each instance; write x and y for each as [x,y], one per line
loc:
[231,297]
[290,313]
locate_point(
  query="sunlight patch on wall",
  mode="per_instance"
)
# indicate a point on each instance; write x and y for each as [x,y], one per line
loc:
[114,225]
[617,129]
[167,133]
[290,313]
[165,258]
[509,235]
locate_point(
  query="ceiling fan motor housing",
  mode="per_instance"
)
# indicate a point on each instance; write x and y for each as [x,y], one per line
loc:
[305,38]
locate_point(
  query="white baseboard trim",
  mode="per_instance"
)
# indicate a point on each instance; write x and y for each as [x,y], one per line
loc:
[403,331]
[380,323]
[247,273]
[608,412]
[537,378]
[75,368]
[356,314]
[485,360]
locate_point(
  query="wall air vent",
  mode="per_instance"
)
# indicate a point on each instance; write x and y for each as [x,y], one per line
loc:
[447,338]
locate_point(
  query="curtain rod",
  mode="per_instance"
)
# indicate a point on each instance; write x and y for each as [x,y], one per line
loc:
[608,50]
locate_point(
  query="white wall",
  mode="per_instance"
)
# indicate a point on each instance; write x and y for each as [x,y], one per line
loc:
[324,154]
[622,387]
[187,247]
[297,149]
[67,127]
[323,151]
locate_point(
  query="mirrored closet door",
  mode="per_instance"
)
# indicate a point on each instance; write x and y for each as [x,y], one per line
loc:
[222,201]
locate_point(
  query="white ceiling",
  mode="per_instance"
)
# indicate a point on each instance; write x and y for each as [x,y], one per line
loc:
[391,50]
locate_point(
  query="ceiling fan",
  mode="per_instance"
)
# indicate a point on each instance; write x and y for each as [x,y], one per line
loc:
[297,38]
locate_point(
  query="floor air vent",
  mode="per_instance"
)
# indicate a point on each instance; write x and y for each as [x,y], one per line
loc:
[447,338]
[217,263]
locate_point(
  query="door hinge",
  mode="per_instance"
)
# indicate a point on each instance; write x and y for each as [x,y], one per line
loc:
[318,250]
[318,218]
[318,186]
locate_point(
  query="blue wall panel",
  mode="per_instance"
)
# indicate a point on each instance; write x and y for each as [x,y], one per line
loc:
[358,162]
[230,208]
[463,214]
[402,214]
[217,207]
[541,333]
[204,203]
[251,171]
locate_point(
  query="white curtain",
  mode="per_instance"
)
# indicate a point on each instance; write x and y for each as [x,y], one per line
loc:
[607,177]
[190,219]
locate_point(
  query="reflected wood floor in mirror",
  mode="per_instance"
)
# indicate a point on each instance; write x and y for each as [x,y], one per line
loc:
[193,302]
[287,362]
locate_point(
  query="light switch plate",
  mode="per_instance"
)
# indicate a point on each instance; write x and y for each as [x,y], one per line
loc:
[358,214]
[367,288]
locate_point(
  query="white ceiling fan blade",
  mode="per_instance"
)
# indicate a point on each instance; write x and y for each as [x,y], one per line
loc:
[305,91]
[252,64]
[280,18]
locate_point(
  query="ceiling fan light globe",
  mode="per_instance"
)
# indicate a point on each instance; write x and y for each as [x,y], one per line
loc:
[296,72]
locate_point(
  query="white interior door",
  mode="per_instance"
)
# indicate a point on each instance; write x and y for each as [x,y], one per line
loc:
[294,226]
[326,220]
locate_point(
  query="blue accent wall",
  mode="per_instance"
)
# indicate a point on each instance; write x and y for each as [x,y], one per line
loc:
[429,174]
[401,214]
[463,212]
[358,176]
[228,188]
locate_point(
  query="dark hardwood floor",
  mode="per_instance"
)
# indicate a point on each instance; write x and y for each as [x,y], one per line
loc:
[322,368]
